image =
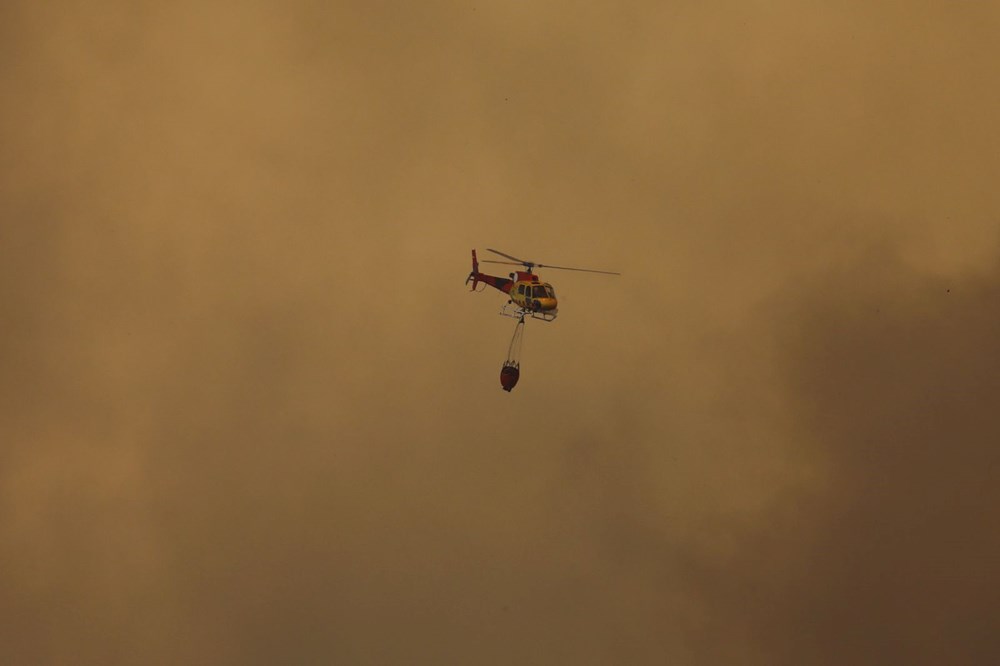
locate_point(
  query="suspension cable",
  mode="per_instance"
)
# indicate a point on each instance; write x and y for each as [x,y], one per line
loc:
[516,342]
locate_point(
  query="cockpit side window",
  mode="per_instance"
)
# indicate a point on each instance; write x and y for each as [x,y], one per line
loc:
[520,289]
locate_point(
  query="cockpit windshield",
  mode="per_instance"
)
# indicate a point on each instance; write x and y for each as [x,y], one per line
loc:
[540,292]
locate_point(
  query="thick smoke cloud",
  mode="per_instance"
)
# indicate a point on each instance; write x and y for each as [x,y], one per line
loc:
[889,554]
[248,414]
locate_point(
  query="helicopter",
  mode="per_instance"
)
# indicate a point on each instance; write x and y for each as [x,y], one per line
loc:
[528,297]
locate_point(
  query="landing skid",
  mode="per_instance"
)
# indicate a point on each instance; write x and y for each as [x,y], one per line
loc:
[517,312]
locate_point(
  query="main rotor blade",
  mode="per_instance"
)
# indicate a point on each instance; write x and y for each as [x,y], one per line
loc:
[493,261]
[530,264]
[583,270]
[520,261]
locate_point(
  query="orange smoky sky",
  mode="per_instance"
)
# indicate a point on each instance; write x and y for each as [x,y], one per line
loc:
[250,415]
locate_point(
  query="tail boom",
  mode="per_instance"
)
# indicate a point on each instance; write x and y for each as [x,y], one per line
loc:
[503,284]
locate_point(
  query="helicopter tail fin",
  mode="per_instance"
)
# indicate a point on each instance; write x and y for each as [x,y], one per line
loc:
[474,275]
[502,284]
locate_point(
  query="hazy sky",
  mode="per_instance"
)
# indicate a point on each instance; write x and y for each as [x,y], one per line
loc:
[250,415]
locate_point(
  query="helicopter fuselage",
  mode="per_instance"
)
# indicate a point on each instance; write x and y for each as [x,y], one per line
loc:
[524,290]
[527,292]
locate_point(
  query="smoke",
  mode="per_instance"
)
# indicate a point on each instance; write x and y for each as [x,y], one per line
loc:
[885,556]
[249,414]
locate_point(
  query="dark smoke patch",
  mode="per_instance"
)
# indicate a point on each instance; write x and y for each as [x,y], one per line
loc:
[894,379]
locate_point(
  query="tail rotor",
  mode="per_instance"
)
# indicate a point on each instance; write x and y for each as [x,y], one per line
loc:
[474,275]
